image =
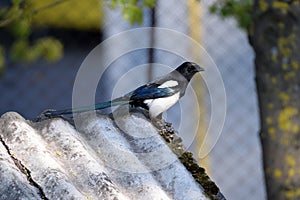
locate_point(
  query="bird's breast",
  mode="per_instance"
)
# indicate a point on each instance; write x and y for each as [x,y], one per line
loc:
[159,105]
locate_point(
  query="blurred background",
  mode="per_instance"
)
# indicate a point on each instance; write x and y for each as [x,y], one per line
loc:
[43,44]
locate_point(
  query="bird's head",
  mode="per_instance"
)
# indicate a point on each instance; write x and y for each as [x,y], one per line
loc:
[189,69]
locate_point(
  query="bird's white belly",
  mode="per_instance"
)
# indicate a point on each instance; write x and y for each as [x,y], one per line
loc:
[158,106]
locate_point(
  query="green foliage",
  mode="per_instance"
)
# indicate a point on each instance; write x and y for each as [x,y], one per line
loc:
[132,10]
[20,28]
[51,48]
[7,15]
[48,48]
[17,21]
[239,9]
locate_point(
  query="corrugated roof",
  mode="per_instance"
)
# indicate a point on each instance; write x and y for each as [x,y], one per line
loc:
[98,158]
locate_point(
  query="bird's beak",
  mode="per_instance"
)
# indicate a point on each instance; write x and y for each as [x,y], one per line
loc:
[198,68]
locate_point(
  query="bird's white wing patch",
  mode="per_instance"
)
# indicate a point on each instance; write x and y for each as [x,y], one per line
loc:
[168,84]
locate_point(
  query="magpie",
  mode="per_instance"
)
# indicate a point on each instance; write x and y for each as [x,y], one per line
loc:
[156,96]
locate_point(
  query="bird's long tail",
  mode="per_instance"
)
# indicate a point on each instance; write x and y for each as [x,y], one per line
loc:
[115,102]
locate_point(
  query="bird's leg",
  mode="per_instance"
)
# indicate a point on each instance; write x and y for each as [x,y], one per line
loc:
[158,121]
[143,110]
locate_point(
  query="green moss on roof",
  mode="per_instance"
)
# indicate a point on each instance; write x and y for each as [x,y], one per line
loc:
[186,158]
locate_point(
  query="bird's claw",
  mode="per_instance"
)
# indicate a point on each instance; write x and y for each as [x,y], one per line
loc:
[158,123]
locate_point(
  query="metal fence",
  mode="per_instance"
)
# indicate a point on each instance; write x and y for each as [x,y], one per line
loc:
[235,161]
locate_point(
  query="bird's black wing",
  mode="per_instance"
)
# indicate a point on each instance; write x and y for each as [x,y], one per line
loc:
[152,91]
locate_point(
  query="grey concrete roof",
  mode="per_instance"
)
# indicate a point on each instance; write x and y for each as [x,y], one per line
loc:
[99,159]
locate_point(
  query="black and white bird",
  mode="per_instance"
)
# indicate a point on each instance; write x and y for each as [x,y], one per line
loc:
[156,96]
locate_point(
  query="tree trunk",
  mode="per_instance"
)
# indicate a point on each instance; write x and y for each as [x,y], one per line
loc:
[275,37]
